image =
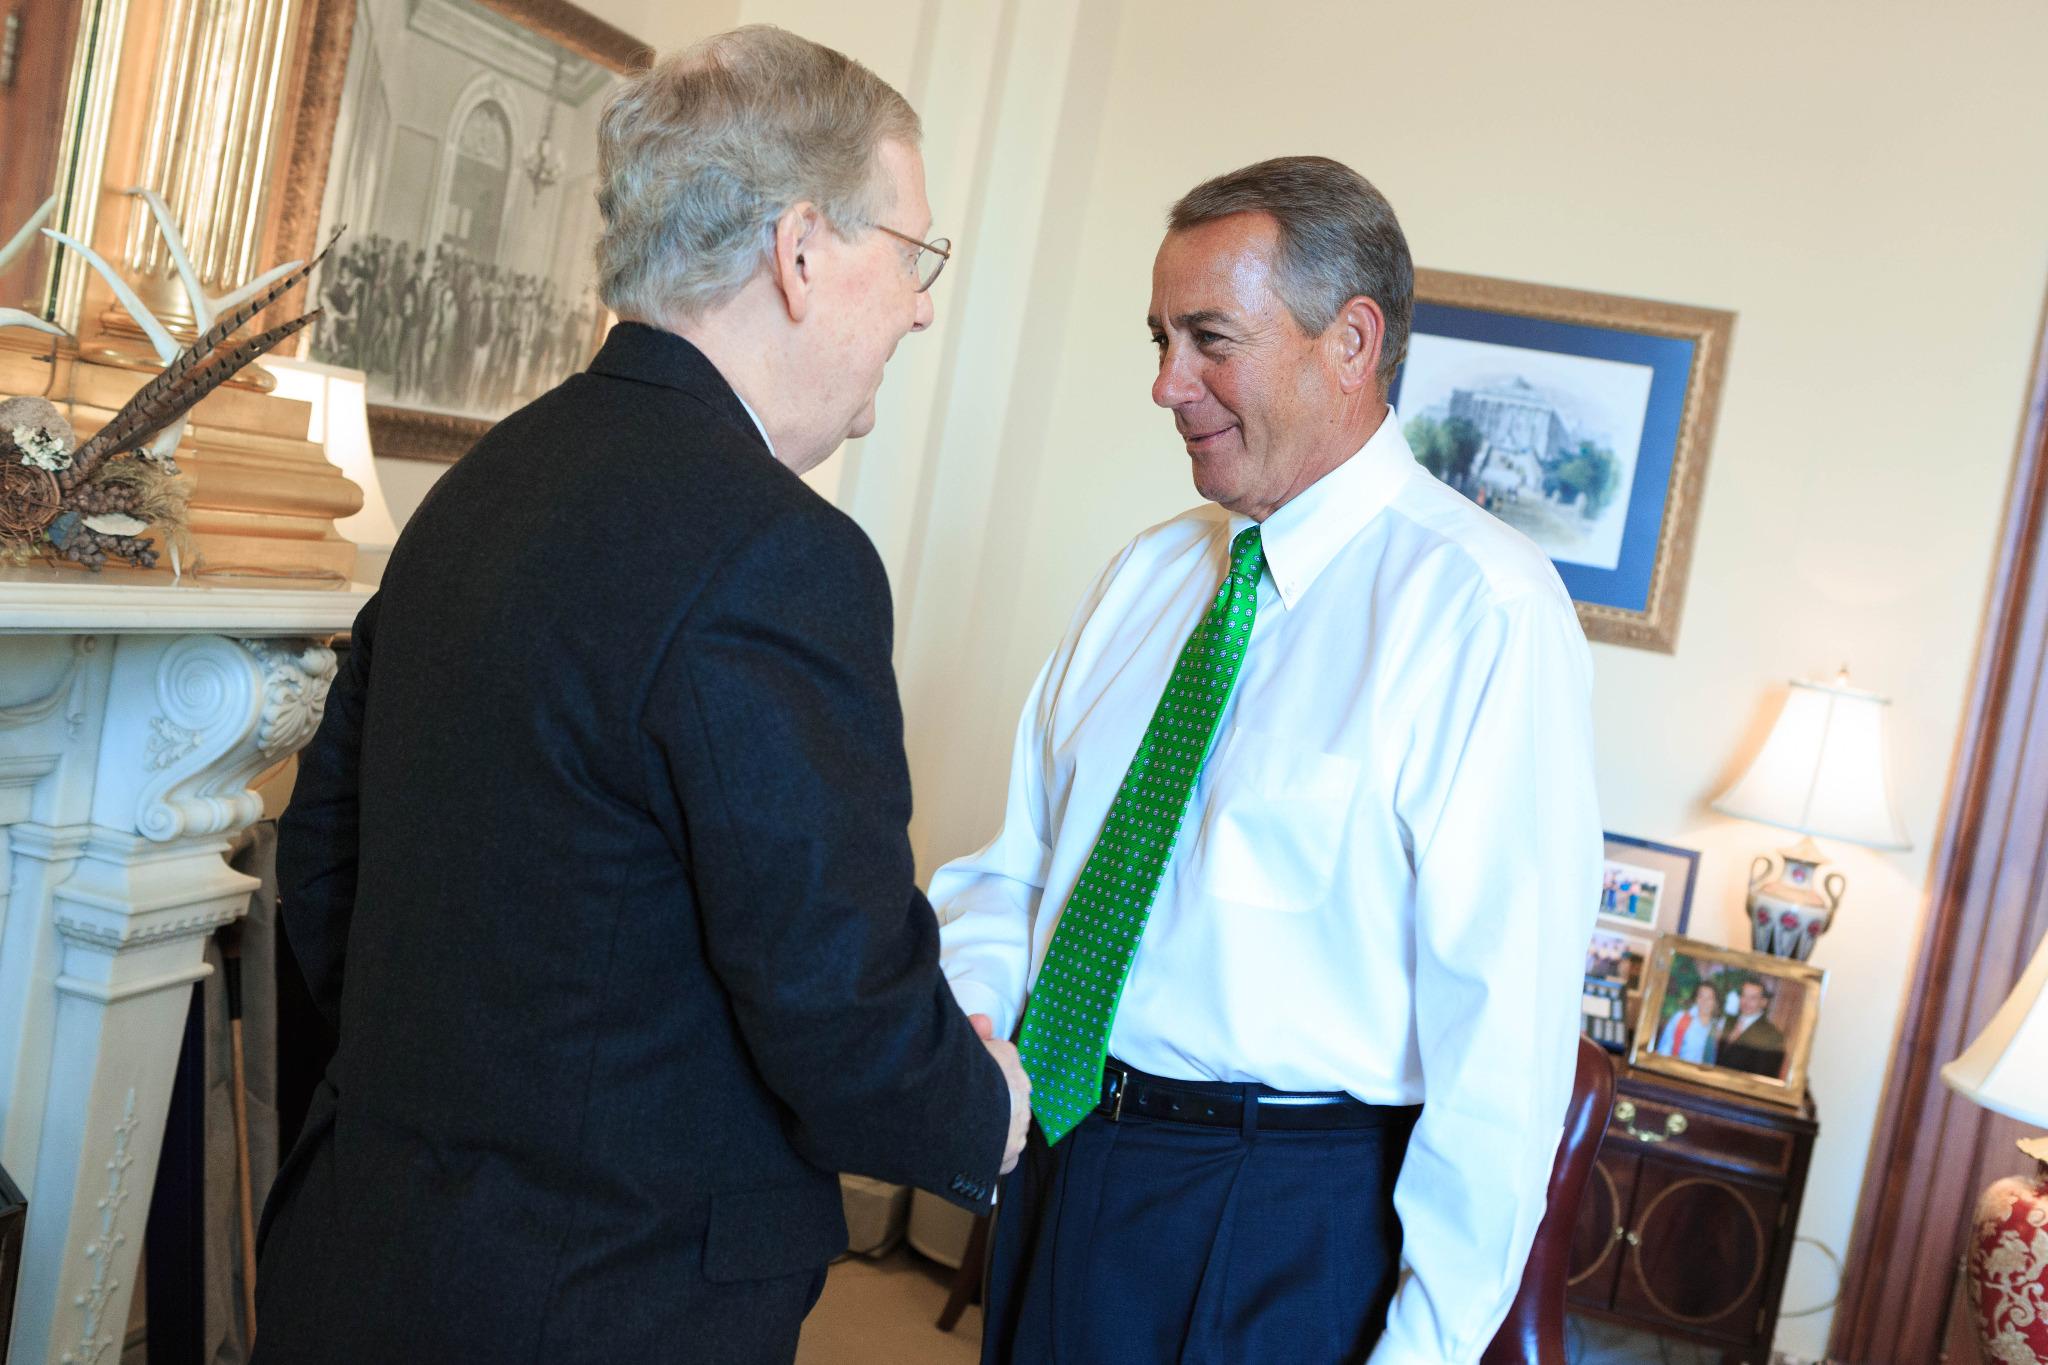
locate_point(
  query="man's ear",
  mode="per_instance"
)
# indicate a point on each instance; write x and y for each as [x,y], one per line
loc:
[1358,333]
[796,232]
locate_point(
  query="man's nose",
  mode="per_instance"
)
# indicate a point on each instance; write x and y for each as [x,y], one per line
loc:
[1176,384]
[922,318]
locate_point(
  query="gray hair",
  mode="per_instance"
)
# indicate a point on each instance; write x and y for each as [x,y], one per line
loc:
[701,154]
[1339,239]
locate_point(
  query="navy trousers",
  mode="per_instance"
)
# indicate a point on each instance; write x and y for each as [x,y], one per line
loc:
[1153,1242]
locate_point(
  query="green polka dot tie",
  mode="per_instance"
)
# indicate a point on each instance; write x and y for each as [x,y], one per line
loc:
[1073,1003]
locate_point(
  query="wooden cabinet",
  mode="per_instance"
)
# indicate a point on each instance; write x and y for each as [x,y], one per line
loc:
[1686,1227]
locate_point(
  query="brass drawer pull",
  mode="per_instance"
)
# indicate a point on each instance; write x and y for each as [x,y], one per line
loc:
[1674,1123]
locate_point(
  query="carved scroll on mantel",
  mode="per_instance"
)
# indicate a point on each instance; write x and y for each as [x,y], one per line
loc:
[134,714]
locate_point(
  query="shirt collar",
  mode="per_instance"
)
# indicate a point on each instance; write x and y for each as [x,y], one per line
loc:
[1305,534]
[758,424]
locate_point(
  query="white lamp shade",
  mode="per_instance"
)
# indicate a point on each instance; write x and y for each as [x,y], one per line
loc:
[1823,770]
[340,425]
[2006,1069]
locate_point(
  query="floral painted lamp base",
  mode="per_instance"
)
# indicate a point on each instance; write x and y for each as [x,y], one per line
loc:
[2008,1265]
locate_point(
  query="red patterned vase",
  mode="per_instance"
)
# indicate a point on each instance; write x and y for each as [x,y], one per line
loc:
[2009,1266]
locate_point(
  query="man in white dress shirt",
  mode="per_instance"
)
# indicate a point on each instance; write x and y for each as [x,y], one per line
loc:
[1300,858]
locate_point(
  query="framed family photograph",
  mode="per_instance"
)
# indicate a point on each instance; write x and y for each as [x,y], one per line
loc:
[1736,1020]
[1582,420]
[459,163]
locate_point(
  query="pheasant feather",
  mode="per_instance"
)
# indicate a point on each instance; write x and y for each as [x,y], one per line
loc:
[136,422]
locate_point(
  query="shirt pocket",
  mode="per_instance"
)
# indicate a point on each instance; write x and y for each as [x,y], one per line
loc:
[1274,822]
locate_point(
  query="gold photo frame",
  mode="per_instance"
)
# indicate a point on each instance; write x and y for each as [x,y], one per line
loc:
[1586,424]
[325,149]
[1698,1019]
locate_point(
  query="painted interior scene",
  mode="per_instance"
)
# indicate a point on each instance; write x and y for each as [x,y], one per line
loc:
[463,172]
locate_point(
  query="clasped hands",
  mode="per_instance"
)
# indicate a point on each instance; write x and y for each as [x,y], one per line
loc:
[1020,1087]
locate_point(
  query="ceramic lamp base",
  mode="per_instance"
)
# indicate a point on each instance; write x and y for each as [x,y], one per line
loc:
[1789,913]
[2008,1266]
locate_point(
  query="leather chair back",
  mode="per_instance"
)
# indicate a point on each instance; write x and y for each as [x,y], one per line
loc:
[1533,1333]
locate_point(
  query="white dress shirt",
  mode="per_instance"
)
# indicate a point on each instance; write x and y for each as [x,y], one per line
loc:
[1387,875]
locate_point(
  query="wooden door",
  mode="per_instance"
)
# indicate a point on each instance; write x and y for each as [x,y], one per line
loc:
[1597,1241]
[1699,1252]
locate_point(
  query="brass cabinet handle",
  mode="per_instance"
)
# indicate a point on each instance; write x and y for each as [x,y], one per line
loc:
[1632,1238]
[1674,1123]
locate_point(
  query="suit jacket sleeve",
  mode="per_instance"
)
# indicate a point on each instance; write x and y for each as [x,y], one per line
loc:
[775,719]
[316,838]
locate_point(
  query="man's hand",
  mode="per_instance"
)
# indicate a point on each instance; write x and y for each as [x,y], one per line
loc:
[1020,1087]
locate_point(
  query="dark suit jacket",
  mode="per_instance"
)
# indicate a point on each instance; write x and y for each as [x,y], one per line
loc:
[1760,1050]
[599,864]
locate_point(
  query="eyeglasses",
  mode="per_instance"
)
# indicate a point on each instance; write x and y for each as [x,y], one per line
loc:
[931,256]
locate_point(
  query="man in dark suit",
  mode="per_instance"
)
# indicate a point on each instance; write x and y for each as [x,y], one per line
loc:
[1750,1042]
[599,861]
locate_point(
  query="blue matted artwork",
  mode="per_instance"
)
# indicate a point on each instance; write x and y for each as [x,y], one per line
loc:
[1582,420]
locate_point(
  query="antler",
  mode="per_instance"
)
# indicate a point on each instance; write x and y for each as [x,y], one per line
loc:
[26,233]
[206,307]
[152,397]
[160,395]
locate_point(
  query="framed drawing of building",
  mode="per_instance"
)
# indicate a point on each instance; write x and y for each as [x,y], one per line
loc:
[1583,420]
[461,169]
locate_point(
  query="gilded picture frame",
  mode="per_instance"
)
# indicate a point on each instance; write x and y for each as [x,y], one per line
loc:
[416,414]
[1683,969]
[79,71]
[1588,419]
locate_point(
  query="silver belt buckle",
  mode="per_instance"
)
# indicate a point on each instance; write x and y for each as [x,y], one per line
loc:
[1123,1085]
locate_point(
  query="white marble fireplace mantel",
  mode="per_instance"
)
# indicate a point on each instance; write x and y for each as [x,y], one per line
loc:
[134,715]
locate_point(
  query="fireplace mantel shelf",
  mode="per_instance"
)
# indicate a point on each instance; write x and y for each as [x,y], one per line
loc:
[44,600]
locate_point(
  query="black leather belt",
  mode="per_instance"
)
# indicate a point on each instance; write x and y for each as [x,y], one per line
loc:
[1128,1093]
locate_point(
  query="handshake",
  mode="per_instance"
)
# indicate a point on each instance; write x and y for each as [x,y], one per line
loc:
[1019,1083]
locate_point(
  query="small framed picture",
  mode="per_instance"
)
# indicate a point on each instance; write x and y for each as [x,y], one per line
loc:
[1735,1020]
[1614,976]
[1646,888]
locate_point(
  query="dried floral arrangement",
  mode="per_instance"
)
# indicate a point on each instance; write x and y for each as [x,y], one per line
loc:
[91,501]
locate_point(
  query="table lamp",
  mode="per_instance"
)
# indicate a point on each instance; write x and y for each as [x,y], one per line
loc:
[340,425]
[2006,1071]
[1822,771]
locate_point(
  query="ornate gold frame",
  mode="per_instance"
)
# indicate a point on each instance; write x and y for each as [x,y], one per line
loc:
[395,432]
[96,70]
[1709,330]
[1798,1042]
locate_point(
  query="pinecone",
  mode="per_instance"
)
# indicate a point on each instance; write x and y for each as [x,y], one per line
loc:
[135,549]
[97,499]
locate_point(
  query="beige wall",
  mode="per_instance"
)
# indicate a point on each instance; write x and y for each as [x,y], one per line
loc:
[1860,183]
